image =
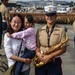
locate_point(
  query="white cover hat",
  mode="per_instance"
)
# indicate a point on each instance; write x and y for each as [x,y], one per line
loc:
[50,9]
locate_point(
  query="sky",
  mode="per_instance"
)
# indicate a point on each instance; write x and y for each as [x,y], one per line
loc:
[45,0]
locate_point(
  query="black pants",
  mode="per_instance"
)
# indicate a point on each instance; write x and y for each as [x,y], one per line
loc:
[0,40]
[0,29]
[51,68]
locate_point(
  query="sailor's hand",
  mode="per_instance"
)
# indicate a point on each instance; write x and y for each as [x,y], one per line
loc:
[41,56]
[46,59]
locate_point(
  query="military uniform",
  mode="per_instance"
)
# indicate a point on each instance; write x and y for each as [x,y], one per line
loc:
[47,38]
[4,11]
[5,14]
[57,36]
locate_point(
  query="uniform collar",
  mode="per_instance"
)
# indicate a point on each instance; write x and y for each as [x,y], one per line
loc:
[3,5]
[44,27]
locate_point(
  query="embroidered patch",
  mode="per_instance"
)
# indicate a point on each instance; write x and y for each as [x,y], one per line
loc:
[55,34]
[56,30]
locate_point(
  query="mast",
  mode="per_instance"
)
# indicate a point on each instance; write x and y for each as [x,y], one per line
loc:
[53,2]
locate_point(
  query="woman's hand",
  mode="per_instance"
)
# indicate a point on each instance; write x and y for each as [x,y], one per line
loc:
[27,61]
[9,35]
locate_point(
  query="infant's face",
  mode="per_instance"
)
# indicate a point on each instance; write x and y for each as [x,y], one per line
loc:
[27,24]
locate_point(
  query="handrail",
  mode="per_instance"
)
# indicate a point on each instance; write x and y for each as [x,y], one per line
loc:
[61,18]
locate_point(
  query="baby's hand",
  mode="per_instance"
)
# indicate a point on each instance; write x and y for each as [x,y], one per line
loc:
[9,35]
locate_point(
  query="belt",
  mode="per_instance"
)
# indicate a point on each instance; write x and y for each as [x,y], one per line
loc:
[54,60]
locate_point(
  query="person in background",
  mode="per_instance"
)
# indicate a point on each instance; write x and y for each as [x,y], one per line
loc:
[12,46]
[47,36]
[74,31]
[29,37]
[5,15]
[0,31]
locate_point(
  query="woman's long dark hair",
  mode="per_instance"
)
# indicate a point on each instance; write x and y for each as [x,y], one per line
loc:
[9,28]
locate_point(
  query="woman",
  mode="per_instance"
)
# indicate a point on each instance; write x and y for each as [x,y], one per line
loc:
[29,38]
[48,36]
[12,46]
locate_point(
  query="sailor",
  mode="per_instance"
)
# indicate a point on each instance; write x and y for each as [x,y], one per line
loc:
[47,36]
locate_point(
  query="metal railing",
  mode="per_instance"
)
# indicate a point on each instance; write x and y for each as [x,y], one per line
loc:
[61,18]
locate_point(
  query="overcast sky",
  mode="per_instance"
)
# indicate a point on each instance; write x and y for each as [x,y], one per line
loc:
[45,0]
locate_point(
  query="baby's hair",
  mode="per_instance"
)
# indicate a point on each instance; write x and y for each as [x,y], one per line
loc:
[30,19]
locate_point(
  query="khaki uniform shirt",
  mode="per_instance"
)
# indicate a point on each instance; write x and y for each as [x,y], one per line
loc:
[56,37]
[4,11]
